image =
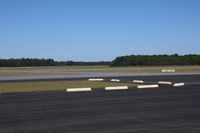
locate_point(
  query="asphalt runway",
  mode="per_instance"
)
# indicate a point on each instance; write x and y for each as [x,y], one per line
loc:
[68,74]
[152,79]
[157,110]
[84,75]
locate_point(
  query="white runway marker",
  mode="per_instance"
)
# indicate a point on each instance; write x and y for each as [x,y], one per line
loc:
[95,79]
[165,82]
[78,89]
[178,84]
[147,86]
[138,81]
[115,80]
[117,88]
[168,70]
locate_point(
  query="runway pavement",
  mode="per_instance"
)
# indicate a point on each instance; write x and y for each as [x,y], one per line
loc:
[85,73]
[157,110]
[148,78]
[91,75]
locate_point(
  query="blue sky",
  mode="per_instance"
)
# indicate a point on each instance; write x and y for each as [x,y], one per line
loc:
[98,30]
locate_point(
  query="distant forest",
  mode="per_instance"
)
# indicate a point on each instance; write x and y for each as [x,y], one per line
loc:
[132,60]
[156,60]
[23,62]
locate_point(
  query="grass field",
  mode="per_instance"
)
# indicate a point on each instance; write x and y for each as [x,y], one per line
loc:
[31,74]
[61,85]
[54,86]
[118,71]
[73,70]
[53,67]
[137,71]
[84,67]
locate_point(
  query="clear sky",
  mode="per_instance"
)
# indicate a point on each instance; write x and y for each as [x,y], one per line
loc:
[98,30]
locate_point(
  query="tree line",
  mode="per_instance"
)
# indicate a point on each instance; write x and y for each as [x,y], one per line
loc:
[25,62]
[156,60]
[131,60]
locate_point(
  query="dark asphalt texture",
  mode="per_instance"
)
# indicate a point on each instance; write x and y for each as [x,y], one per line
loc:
[157,110]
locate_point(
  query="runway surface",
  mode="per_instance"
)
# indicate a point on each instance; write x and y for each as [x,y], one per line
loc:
[184,77]
[158,110]
[87,73]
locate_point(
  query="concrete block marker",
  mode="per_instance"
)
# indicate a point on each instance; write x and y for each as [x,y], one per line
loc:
[115,80]
[147,86]
[78,89]
[117,88]
[178,84]
[138,81]
[95,79]
[168,70]
[165,82]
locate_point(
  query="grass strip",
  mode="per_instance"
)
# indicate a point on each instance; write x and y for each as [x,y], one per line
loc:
[54,86]
[8,74]
[54,67]
[86,67]
[136,71]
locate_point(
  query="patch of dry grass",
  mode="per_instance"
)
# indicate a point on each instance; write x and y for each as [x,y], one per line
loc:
[137,71]
[5,74]
[85,67]
[54,86]
[53,67]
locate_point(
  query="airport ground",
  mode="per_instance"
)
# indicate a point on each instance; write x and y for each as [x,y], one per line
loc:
[56,73]
[164,109]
